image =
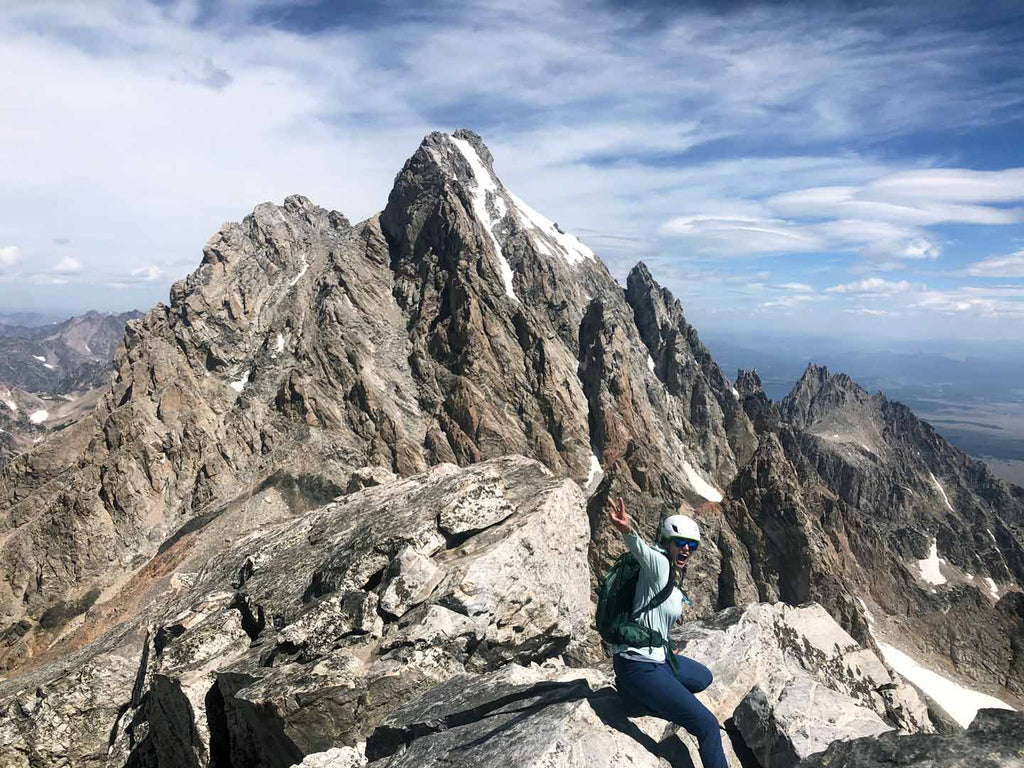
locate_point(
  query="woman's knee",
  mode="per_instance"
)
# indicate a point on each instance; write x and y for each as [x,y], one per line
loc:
[706,678]
[697,677]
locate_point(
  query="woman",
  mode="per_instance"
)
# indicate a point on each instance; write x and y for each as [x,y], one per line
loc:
[643,674]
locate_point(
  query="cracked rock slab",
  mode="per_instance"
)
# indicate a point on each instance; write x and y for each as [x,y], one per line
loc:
[745,647]
[514,717]
[994,740]
[788,720]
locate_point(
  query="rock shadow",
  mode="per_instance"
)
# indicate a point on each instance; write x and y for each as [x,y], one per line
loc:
[615,711]
[510,710]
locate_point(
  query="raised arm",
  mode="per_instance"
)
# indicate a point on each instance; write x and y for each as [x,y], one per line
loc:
[651,560]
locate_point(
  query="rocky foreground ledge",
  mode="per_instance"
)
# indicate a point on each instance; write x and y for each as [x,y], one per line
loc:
[425,622]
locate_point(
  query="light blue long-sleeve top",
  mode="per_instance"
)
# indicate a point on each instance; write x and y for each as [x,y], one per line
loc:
[655,572]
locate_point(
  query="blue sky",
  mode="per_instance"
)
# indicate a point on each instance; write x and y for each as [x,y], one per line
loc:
[855,170]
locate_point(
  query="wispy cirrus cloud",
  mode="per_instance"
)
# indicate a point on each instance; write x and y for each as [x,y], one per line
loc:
[987,303]
[1011,265]
[885,219]
[792,300]
[752,131]
[870,312]
[876,286]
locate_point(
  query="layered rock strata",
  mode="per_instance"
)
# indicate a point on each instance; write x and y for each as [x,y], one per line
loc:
[456,326]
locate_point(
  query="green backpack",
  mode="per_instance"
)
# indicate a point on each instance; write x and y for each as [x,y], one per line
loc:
[616,620]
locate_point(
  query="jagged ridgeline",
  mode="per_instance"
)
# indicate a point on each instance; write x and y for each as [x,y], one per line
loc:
[349,463]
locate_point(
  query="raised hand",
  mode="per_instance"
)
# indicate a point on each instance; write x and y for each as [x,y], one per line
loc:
[618,517]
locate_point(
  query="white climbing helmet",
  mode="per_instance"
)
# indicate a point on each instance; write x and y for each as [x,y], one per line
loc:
[680,526]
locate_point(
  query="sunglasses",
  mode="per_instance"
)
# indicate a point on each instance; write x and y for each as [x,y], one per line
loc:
[689,543]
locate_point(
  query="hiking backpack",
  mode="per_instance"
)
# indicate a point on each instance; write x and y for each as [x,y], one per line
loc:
[616,620]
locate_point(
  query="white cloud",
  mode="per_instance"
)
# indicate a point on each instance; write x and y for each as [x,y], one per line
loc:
[871,312]
[750,235]
[989,304]
[788,302]
[9,254]
[876,286]
[955,185]
[798,287]
[148,273]
[67,265]
[741,234]
[866,204]
[884,219]
[173,134]
[999,266]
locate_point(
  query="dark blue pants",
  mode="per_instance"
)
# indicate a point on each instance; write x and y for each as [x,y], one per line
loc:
[671,697]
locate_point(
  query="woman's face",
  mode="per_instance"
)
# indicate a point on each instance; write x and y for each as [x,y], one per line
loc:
[679,552]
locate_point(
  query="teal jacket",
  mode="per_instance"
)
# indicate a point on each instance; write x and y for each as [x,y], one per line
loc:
[654,575]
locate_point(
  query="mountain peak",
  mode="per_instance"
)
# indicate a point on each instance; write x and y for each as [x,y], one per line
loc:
[477,142]
[451,179]
[748,382]
[818,392]
[816,377]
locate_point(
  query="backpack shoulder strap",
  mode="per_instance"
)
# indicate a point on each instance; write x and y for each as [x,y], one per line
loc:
[658,599]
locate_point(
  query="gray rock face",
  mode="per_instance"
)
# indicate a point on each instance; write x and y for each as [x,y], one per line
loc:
[768,646]
[306,356]
[278,649]
[410,578]
[993,740]
[900,492]
[516,716]
[60,358]
[763,413]
[797,716]
[66,723]
[338,757]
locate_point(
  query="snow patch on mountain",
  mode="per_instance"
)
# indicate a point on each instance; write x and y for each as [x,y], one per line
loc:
[549,238]
[38,417]
[961,703]
[239,385]
[992,587]
[594,477]
[485,184]
[700,485]
[930,566]
[305,266]
[942,491]
[867,613]
[40,359]
[650,363]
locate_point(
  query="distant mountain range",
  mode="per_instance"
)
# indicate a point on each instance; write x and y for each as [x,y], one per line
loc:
[51,372]
[972,394]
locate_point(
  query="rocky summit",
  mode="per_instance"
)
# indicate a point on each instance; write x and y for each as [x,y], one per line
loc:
[342,503]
